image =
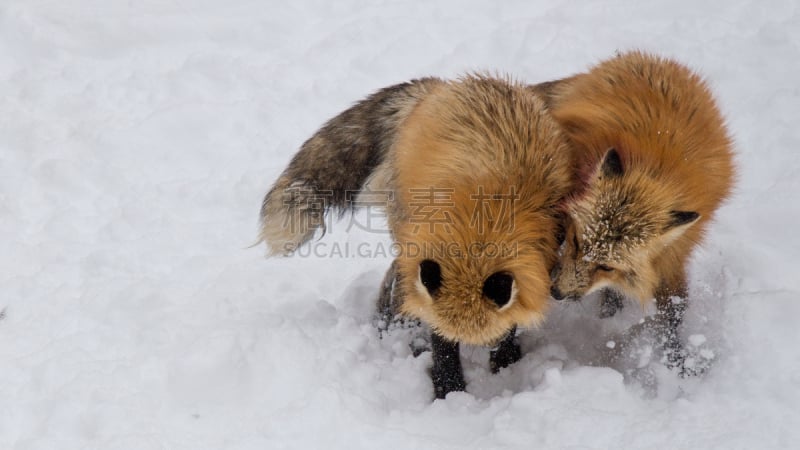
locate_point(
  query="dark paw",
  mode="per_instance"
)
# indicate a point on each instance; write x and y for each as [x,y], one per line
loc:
[691,371]
[610,303]
[674,357]
[504,356]
[696,358]
[420,341]
[687,361]
[683,365]
[447,381]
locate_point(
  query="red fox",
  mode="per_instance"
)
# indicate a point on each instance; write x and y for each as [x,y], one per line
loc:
[480,154]
[655,162]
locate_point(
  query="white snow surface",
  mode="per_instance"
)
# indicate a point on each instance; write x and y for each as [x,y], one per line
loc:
[138,138]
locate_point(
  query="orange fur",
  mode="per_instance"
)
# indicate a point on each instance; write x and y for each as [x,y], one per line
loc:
[457,141]
[489,134]
[675,154]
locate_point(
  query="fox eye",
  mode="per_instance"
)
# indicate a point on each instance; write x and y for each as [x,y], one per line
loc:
[575,246]
[560,234]
[605,268]
[497,288]
[430,274]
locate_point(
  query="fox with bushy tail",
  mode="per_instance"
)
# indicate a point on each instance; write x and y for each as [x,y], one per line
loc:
[476,170]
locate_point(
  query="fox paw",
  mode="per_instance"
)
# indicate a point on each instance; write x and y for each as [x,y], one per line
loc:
[697,358]
[610,302]
[446,381]
[504,356]
[691,360]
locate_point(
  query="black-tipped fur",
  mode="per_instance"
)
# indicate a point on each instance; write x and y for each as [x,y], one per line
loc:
[333,165]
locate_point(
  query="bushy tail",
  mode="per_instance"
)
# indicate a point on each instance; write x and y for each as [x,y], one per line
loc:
[332,166]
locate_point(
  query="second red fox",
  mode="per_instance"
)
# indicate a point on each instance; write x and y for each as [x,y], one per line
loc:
[655,162]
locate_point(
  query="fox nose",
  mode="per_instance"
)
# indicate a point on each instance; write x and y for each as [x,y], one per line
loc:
[556,293]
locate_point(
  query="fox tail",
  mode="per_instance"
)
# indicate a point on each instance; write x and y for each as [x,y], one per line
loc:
[334,165]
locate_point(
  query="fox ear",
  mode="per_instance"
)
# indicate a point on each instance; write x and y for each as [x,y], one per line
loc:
[679,222]
[680,218]
[612,164]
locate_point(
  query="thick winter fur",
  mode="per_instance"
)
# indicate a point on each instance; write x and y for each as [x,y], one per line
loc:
[655,158]
[331,166]
[477,169]
[480,135]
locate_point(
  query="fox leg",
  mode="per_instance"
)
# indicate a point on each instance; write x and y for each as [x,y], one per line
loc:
[446,373]
[388,298]
[506,353]
[671,301]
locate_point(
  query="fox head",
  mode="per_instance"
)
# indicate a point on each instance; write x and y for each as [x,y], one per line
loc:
[480,170]
[643,205]
[616,231]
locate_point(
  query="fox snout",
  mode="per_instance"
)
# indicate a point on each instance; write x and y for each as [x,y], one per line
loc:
[568,281]
[559,295]
[555,292]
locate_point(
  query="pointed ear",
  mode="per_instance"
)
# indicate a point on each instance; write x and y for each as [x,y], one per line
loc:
[612,164]
[680,218]
[680,221]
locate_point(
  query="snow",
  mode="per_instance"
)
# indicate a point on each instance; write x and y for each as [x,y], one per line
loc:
[136,142]
[696,340]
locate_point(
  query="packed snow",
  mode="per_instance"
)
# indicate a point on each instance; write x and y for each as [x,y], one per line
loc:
[138,138]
